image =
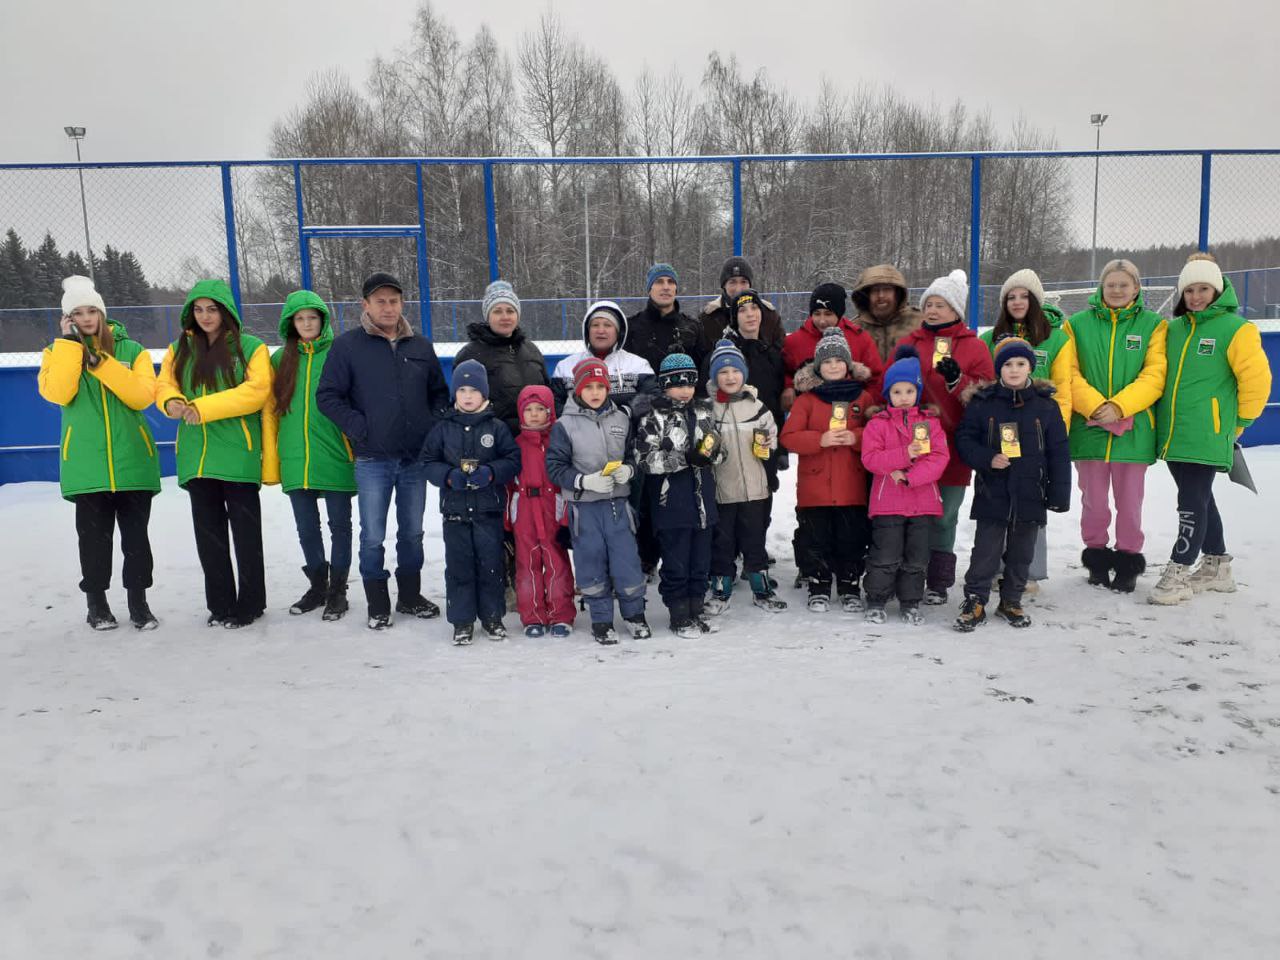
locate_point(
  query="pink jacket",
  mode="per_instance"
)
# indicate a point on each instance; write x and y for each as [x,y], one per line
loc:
[884,449]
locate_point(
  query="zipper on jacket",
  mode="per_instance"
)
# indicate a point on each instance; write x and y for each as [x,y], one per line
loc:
[1111,359]
[204,431]
[1040,434]
[306,426]
[106,417]
[1173,402]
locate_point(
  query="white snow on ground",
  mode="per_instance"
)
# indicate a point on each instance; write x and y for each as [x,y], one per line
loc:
[1103,785]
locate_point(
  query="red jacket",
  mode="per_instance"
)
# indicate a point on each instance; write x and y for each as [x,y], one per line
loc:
[535,515]
[884,450]
[797,350]
[974,358]
[826,476]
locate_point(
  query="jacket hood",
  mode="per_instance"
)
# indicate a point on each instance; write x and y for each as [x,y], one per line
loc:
[118,332]
[215,290]
[880,273]
[620,319]
[305,300]
[1053,315]
[536,393]
[1225,302]
[483,333]
[1042,387]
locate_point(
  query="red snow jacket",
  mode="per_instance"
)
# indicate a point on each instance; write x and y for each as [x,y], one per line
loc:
[534,507]
[885,440]
[976,368]
[827,476]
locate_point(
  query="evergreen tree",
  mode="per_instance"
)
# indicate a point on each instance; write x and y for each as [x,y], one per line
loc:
[47,270]
[17,285]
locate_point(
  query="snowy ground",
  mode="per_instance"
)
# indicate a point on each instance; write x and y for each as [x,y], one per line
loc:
[1104,785]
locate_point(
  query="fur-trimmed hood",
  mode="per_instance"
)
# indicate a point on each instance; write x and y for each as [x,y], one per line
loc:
[990,388]
[807,377]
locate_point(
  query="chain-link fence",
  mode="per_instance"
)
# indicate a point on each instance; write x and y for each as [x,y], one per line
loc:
[570,230]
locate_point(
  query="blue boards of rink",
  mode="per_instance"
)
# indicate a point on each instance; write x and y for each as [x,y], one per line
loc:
[29,425]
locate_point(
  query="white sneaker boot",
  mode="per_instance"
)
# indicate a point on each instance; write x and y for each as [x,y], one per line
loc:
[1214,573]
[1174,586]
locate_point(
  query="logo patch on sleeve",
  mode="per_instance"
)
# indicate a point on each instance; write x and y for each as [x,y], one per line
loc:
[1133,341]
[1206,347]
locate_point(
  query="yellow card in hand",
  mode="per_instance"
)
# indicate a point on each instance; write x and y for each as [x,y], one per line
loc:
[839,415]
[611,466]
[941,348]
[1009,444]
[920,434]
[760,443]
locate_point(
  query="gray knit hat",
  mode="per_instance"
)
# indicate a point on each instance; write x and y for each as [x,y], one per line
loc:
[499,292]
[832,346]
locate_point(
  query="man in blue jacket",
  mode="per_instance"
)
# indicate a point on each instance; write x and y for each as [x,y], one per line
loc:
[383,386]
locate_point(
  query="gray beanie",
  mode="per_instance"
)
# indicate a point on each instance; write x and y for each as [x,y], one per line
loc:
[499,292]
[832,346]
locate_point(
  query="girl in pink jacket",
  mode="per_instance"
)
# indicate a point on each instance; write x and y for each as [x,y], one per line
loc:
[905,449]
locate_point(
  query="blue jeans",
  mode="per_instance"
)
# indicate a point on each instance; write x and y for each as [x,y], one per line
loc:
[306,516]
[375,481]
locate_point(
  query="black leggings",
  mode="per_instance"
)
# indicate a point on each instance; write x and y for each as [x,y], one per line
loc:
[1199,523]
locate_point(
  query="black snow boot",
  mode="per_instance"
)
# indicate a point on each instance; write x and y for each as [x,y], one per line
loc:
[1128,566]
[314,597]
[140,614]
[1098,561]
[335,601]
[378,595]
[100,616]
[409,598]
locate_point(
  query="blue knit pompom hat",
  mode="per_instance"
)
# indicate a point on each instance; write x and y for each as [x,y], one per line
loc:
[726,354]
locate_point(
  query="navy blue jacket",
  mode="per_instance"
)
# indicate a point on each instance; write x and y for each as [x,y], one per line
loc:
[479,436]
[1040,479]
[384,397]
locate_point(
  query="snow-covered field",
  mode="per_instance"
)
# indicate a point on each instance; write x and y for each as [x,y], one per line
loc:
[1103,785]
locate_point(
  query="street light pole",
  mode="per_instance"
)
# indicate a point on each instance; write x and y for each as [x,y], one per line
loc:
[1097,119]
[77,134]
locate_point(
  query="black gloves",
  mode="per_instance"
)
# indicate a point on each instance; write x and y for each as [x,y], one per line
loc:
[949,370]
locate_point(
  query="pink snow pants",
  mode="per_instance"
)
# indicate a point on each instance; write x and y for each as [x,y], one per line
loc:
[1098,480]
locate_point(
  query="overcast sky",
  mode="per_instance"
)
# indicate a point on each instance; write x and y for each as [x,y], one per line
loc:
[173,79]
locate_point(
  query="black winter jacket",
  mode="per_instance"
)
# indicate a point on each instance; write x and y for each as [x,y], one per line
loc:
[654,337]
[1037,480]
[478,436]
[512,363]
[384,396]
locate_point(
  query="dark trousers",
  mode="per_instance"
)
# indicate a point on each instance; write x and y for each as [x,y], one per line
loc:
[474,565]
[306,517]
[740,530]
[222,511]
[686,564]
[996,544]
[897,560]
[648,541]
[1199,523]
[834,547]
[97,515]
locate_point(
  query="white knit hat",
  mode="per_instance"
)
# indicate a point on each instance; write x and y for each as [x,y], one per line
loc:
[80,292]
[1200,271]
[1027,279]
[953,288]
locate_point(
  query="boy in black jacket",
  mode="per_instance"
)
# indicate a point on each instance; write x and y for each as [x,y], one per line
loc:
[471,457]
[1013,437]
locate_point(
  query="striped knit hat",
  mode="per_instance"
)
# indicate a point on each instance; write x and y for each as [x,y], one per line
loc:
[727,355]
[499,292]
[678,370]
[589,371]
[1010,347]
[832,346]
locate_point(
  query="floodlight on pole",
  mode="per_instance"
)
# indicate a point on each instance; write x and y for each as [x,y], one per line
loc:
[77,134]
[1097,119]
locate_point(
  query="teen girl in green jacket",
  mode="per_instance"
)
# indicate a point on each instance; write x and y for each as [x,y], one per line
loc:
[308,455]
[1219,382]
[215,379]
[103,381]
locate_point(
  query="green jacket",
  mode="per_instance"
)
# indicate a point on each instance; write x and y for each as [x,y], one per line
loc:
[303,449]
[1219,383]
[1120,358]
[227,442]
[106,444]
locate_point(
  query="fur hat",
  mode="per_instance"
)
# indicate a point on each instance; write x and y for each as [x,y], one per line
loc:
[1028,280]
[588,371]
[828,296]
[832,346]
[1200,268]
[80,292]
[726,354]
[953,288]
[904,369]
[469,373]
[677,370]
[658,271]
[1009,348]
[499,292]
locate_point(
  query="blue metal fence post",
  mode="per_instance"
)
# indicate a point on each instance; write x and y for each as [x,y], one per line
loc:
[424,270]
[1244,303]
[304,242]
[1206,177]
[737,207]
[491,217]
[229,215]
[975,235]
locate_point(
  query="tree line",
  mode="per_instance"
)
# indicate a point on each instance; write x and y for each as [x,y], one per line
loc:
[33,278]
